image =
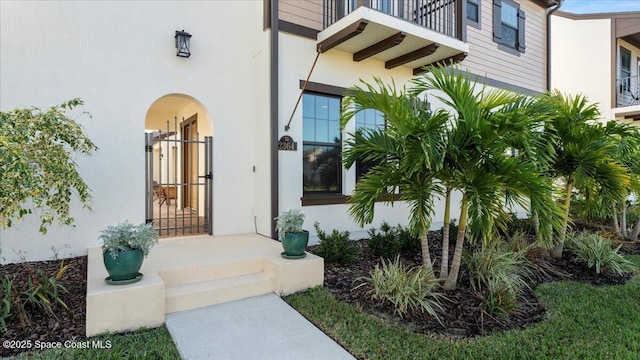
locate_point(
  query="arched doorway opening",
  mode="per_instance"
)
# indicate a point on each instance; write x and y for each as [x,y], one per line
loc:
[179,166]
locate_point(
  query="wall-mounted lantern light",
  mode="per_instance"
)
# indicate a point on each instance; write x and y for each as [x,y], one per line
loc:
[182,43]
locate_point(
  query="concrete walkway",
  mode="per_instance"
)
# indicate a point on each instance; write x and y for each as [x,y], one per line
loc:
[261,327]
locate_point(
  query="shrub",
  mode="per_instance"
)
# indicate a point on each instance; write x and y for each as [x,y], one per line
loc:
[498,299]
[408,241]
[517,242]
[515,225]
[42,293]
[336,248]
[6,299]
[499,276]
[289,222]
[126,236]
[39,171]
[385,243]
[597,252]
[406,290]
[391,240]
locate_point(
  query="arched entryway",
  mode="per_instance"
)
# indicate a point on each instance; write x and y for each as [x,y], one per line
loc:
[179,166]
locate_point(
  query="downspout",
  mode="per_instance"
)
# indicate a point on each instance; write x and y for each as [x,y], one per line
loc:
[549,13]
[273,131]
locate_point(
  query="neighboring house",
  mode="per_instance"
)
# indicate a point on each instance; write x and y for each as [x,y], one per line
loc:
[598,55]
[239,87]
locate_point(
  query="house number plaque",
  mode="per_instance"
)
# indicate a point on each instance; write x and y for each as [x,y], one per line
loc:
[286,143]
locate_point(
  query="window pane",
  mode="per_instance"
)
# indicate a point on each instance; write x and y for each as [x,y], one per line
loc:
[321,168]
[509,36]
[308,105]
[334,109]
[625,60]
[334,132]
[308,129]
[322,131]
[509,15]
[322,107]
[367,119]
[472,11]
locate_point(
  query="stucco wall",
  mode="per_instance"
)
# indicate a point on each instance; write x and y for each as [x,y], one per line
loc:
[581,59]
[335,68]
[119,57]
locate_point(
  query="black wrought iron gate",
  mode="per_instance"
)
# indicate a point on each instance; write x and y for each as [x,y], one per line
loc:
[179,177]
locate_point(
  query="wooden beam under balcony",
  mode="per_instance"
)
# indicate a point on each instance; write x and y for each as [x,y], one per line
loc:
[341,36]
[634,117]
[409,57]
[380,46]
[444,62]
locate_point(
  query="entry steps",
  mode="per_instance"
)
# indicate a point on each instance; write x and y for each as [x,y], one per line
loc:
[195,287]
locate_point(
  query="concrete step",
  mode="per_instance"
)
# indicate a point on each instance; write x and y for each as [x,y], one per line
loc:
[194,295]
[220,270]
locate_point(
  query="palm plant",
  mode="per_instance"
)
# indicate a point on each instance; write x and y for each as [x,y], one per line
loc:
[408,152]
[584,155]
[424,154]
[627,153]
[484,126]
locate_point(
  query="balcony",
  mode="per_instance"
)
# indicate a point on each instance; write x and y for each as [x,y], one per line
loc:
[411,33]
[628,97]
[628,91]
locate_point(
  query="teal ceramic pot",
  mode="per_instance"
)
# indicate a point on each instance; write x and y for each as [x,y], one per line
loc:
[125,266]
[294,244]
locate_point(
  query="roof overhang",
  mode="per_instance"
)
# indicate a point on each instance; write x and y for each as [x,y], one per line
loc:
[368,33]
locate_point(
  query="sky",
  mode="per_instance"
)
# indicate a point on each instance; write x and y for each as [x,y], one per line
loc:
[599,6]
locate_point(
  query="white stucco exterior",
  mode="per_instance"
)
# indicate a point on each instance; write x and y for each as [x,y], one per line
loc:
[581,59]
[586,59]
[120,58]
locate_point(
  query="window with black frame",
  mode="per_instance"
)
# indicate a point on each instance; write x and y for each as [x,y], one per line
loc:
[368,119]
[322,144]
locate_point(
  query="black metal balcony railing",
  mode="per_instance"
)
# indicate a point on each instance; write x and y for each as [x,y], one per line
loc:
[443,16]
[628,91]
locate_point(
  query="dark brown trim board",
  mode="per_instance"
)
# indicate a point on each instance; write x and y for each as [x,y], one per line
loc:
[409,57]
[444,62]
[273,130]
[339,199]
[296,29]
[323,88]
[343,35]
[323,199]
[380,46]
[266,14]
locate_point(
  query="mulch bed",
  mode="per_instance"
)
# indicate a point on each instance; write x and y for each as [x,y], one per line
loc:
[462,315]
[67,324]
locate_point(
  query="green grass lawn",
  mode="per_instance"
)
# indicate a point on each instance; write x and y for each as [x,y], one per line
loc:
[143,344]
[583,322]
